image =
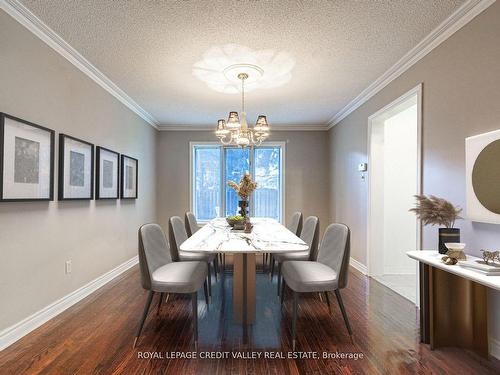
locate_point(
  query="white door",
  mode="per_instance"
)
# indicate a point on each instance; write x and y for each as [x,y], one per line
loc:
[394,179]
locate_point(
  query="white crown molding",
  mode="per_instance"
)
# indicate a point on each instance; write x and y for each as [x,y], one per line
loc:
[457,20]
[13,333]
[168,127]
[24,16]
[447,28]
[358,265]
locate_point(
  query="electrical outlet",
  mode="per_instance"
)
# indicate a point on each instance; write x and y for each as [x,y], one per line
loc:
[68,266]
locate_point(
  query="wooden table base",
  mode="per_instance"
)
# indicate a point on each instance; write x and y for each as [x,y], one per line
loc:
[456,312]
[244,286]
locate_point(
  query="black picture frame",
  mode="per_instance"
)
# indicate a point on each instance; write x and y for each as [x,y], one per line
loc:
[61,192]
[98,172]
[122,176]
[3,116]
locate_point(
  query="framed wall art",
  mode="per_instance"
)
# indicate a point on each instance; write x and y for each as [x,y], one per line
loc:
[107,171]
[76,168]
[26,161]
[129,174]
[482,155]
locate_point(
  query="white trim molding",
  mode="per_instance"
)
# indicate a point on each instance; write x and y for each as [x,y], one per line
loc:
[274,127]
[463,15]
[358,265]
[447,28]
[34,24]
[13,333]
[494,347]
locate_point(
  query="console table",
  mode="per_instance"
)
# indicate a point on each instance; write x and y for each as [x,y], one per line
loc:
[453,303]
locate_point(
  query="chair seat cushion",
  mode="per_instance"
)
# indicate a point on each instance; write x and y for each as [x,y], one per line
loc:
[309,276]
[179,277]
[294,255]
[186,256]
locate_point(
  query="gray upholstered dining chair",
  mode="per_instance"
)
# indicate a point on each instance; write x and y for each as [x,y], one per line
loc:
[310,235]
[190,223]
[160,275]
[192,227]
[294,226]
[328,273]
[177,235]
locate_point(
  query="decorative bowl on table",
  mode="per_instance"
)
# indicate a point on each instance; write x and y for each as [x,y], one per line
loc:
[455,250]
[237,220]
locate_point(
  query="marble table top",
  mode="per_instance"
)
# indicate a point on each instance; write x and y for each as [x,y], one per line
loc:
[267,235]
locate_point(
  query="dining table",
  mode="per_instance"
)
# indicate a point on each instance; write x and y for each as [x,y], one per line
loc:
[266,236]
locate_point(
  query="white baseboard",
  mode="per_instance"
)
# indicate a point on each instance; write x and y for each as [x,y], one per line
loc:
[359,266]
[13,333]
[494,347]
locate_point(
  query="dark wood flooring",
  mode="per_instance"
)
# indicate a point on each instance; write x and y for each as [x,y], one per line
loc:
[96,335]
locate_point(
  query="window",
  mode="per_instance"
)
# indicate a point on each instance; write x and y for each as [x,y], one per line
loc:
[212,165]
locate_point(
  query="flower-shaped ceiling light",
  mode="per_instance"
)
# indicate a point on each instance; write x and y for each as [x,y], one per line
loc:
[220,66]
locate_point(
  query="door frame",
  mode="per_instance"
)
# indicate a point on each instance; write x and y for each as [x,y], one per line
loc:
[417,90]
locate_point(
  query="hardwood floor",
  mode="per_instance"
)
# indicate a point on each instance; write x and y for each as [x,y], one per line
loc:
[96,335]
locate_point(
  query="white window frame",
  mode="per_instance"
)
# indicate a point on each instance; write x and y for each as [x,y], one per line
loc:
[193,144]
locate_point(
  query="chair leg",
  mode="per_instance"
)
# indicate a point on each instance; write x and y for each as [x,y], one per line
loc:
[294,318]
[282,295]
[272,267]
[320,297]
[328,302]
[216,267]
[279,278]
[205,290]
[160,300]
[144,315]
[209,280]
[344,313]
[194,299]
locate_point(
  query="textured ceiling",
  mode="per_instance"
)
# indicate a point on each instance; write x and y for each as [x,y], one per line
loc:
[148,49]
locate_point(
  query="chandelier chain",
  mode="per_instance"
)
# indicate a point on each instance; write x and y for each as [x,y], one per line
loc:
[243,94]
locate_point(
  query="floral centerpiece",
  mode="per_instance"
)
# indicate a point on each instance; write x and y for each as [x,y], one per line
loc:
[438,211]
[244,189]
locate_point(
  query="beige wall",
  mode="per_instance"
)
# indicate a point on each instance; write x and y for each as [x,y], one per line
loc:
[36,239]
[461,97]
[306,172]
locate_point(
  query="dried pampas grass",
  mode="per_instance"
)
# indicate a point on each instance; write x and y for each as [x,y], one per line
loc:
[436,211]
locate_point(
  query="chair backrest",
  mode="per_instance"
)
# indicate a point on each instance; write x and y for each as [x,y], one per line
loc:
[335,251]
[295,224]
[177,235]
[153,252]
[190,223]
[310,235]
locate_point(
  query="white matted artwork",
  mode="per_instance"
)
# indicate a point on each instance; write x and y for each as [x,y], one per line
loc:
[26,160]
[76,168]
[130,172]
[482,157]
[107,167]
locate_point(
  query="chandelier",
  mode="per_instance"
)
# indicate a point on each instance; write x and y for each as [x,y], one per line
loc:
[236,132]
